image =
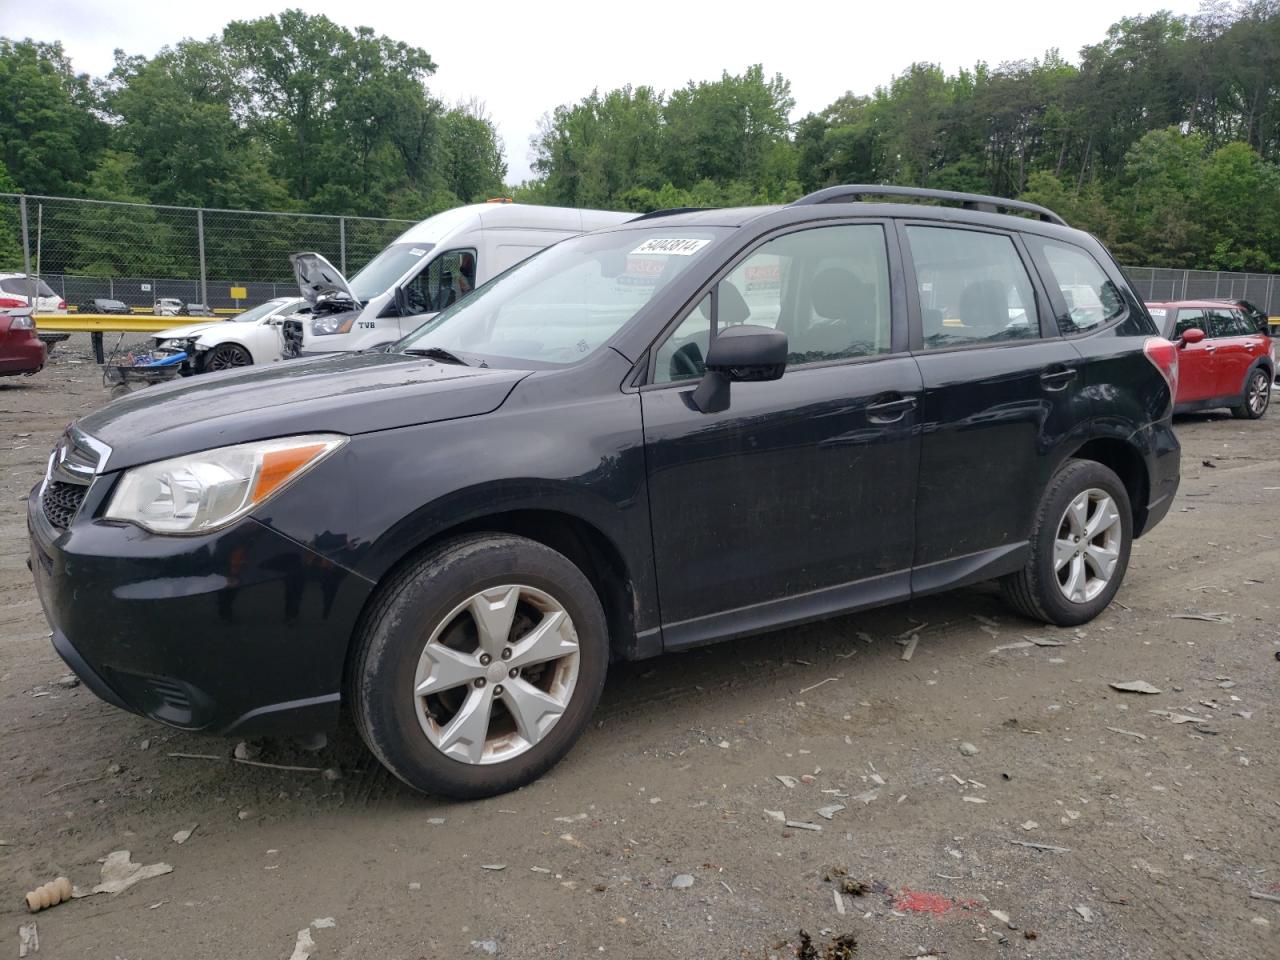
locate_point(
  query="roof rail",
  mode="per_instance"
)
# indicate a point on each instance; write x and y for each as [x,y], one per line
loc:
[970,201]
[670,211]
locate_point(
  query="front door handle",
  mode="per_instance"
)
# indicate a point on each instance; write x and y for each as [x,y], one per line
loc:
[1057,378]
[890,408]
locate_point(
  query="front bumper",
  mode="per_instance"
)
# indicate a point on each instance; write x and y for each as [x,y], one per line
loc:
[241,630]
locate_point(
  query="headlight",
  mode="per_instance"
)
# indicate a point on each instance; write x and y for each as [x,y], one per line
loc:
[204,491]
[332,323]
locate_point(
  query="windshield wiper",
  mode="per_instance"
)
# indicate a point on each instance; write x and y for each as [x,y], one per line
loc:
[436,353]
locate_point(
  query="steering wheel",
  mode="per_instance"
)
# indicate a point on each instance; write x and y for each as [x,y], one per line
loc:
[686,362]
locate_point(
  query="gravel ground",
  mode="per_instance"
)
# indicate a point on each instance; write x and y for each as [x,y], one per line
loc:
[1164,827]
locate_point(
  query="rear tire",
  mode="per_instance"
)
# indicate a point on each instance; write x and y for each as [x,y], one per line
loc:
[1078,558]
[1257,396]
[425,630]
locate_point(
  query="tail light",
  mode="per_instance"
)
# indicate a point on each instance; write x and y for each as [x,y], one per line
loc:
[1164,356]
[62,304]
[22,321]
[11,302]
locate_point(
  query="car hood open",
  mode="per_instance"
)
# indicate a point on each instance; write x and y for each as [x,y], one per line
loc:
[342,393]
[318,279]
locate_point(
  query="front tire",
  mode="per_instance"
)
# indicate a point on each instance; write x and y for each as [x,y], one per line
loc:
[1080,545]
[1257,397]
[479,665]
[228,356]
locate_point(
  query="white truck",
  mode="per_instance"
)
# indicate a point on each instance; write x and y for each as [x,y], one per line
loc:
[429,267]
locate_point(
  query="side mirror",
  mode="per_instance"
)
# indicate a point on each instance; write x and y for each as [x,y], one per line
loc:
[745,353]
[1191,335]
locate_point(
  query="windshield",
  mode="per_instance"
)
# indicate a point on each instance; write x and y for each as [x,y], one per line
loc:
[258,312]
[563,304]
[381,273]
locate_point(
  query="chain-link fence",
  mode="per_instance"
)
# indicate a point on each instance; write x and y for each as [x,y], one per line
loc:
[139,253]
[1163,283]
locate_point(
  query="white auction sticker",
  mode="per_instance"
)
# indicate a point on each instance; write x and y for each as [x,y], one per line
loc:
[416,251]
[676,248]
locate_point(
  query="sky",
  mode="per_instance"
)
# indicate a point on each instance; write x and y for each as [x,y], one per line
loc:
[523,59]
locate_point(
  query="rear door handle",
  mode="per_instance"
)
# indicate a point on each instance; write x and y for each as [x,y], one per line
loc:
[1057,378]
[891,409]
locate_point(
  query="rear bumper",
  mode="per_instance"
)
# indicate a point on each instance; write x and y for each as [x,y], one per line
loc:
[21,356]
[1163,457]
[239,631]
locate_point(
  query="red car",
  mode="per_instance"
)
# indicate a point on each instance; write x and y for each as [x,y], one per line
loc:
[21,351]
[1223,360]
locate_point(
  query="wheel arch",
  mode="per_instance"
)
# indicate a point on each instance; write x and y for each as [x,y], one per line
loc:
[1125,460]
[582,542]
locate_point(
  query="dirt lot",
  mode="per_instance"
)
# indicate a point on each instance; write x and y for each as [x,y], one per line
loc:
[1165,827]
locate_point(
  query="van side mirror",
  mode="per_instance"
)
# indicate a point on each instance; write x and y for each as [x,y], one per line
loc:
[1191,335]
[743,353]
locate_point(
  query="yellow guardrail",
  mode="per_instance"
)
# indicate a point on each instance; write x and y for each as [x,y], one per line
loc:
[111,323]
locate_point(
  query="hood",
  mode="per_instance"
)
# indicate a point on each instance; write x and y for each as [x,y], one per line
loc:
[343,393]
[318,279]
[189,332]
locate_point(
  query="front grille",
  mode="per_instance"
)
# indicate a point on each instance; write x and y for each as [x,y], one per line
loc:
[60,501]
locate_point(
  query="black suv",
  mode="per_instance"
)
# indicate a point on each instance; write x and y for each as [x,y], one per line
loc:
[693,427]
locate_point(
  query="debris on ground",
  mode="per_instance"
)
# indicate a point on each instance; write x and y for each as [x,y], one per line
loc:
[1178,717]
[1039,846]
[69,682]
[1260,895]
[331,774]
[830,810]
[855,888]
[182,836]
[119,872]
[1085,913]
[1204,617]
[493,866]
[802,825]
[1134,686]
[910,647]
[842,946]
[1128,733]
[786,781]
[922,901]
[1003,918]
[489,947]
[968,749]
[28,939]
[303,946]
[49,894]
[244,751]
[324,923]
[777,815]
[682,881]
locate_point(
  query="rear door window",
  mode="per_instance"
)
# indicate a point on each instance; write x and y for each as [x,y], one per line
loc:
[1092,299]
[1229,323]
[974,288]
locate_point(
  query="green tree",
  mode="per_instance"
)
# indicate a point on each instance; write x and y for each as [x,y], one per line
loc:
[49,134]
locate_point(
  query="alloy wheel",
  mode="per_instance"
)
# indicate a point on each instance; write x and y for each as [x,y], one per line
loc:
[1087,547]
[1259,393]
[496,674]
[228,357]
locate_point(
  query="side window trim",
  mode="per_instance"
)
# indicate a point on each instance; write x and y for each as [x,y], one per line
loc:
[1055,298]
[898,317]
[911,284]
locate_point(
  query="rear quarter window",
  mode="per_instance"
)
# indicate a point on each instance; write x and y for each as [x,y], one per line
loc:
[1092,299]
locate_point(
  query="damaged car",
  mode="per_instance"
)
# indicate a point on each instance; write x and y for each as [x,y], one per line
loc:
[252,337]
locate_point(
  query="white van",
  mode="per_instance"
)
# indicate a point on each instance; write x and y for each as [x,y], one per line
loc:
[429,267]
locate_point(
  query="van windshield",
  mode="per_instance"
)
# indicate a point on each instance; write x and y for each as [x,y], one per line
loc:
[563,304]
[380,274]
